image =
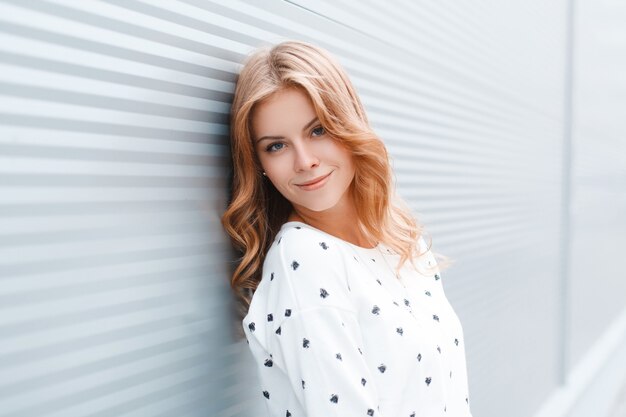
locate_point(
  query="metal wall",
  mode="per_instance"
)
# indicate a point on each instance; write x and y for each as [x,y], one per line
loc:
[596,314]
[599,172]
[114,164]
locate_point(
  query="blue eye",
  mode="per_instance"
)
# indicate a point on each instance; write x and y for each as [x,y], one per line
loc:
[317,129]
[271,148]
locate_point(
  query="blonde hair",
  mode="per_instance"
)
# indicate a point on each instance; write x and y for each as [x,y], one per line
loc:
[257,210]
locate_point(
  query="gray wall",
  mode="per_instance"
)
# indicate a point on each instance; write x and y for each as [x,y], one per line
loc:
[114,165]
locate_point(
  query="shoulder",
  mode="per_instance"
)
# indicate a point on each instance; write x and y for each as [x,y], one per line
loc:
[306,244]
[422,243]
[304,270]
[427,258]
[308,266]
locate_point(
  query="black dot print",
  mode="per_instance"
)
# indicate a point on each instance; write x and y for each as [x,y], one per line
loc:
[281,238]
[391,319]
[298,227]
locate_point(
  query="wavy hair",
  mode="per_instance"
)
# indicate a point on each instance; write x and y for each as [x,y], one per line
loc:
[256,210]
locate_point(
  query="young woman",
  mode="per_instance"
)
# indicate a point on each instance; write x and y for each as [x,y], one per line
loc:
[345,311]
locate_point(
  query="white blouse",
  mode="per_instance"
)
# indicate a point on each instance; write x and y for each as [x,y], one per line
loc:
[334,333]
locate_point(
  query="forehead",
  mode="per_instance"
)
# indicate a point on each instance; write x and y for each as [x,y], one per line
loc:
[286,109]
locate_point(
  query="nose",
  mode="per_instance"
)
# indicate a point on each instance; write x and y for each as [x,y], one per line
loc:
[305,158]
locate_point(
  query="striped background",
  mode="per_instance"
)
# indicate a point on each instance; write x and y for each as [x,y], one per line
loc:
[114,170]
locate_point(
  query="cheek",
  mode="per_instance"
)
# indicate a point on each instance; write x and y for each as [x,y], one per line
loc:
[265,162]
[347,159]
[278,173]
[332,150]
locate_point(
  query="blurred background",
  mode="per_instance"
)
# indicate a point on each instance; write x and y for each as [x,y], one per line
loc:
[506,123]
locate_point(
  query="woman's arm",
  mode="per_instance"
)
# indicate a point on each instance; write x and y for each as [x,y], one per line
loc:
[314,338]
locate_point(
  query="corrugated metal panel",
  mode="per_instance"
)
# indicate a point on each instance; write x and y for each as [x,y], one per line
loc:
[114,161]
[114,165]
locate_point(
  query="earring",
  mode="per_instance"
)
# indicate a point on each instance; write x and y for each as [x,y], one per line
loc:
[264,173]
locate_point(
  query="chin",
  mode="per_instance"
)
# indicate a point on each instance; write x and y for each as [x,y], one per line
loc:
[319,206]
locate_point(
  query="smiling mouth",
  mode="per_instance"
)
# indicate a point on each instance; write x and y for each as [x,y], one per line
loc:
[315,181]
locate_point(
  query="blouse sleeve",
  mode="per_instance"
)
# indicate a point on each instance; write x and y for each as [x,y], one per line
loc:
[318,345]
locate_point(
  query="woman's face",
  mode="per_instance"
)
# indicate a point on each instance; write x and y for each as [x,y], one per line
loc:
[295,150]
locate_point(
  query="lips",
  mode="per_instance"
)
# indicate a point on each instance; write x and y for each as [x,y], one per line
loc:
[314,180]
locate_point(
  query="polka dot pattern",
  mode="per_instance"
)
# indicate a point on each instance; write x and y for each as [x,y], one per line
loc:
[336,333]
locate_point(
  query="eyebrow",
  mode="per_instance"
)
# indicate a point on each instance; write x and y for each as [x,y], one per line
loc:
[315,119]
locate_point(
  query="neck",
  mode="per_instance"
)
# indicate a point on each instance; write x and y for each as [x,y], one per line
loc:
[345,230]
